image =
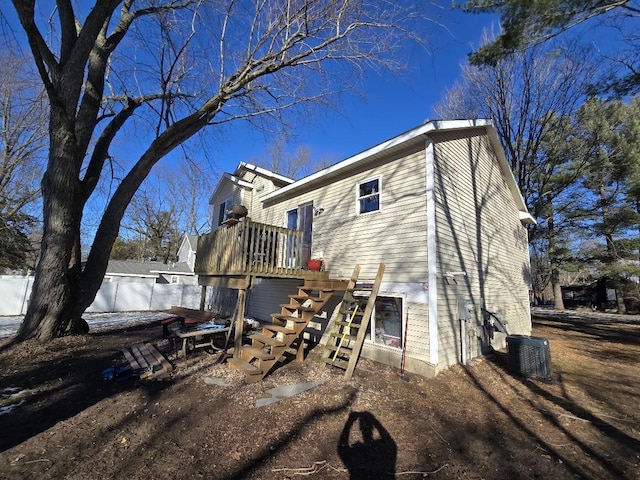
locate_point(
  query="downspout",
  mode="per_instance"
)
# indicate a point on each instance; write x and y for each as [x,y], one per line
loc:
[432,282]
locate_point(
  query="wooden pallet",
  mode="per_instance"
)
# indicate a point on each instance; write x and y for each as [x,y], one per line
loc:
[146,359]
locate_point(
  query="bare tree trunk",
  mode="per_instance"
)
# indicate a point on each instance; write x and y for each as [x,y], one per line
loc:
[558,302]
[50,310]
[622,308]
[612,254]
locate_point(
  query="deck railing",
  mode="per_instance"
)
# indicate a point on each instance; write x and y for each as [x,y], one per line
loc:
[250,248]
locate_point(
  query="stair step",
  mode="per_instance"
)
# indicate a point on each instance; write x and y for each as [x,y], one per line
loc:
[244,366]
[360,299]
[288,306]
[311,288]
[257,353]
[274,342]
[284,318]
[279,329]
[303,298]
[336,363]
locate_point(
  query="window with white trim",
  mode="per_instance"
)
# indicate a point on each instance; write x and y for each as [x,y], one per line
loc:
[175,279]
[368,196]
[385,326]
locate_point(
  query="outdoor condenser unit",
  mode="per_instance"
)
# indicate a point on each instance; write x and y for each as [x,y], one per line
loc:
[529,356]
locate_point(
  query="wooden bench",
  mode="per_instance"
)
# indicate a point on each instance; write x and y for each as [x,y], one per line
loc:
[148,361]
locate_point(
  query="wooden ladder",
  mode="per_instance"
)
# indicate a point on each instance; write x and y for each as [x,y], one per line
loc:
[350,328]
[267,348]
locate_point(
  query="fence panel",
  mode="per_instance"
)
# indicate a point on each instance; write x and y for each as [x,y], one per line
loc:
[14,296]
[164,296]
[112,296]
[131,297]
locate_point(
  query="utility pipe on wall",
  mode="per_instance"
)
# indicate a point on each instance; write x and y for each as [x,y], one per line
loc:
[463,341]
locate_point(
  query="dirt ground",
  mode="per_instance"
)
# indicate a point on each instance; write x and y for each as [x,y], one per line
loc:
[475,422]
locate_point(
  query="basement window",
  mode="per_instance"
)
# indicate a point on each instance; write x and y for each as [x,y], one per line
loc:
[385,326]
[368,196]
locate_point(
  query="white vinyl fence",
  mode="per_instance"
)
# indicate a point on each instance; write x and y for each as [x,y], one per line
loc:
[112,297]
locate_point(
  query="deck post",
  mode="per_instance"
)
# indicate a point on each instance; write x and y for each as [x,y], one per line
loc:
[239,322]
[203,297]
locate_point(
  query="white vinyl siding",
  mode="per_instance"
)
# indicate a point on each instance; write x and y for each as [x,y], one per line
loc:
[395,236]
[478,232]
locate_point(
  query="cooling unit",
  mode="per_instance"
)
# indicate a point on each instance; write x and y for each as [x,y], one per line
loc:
[529,356]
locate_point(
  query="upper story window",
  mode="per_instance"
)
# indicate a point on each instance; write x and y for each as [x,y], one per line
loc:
[223,208]
[368,196]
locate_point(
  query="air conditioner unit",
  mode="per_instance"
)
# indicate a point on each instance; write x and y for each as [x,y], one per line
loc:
[529,356]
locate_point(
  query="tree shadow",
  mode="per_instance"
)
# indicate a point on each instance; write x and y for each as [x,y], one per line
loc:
[601,330]
[373,456]
[55,390]
[499,362]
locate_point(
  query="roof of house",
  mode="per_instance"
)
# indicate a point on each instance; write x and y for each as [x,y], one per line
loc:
[416,136]
[277,179]
[193,241]
[128,268]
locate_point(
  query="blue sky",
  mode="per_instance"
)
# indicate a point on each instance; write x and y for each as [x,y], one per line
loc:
[389,105]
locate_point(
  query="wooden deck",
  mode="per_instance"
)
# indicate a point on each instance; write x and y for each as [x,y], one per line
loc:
[245,249]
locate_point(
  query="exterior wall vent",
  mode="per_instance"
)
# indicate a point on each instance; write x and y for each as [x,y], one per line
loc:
[529,356]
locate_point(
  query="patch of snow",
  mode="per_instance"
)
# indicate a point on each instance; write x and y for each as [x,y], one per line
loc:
[97,321]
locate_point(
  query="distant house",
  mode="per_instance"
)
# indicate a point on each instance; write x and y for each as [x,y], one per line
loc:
[127,271]
[437,204]
[180,272]
[187,250]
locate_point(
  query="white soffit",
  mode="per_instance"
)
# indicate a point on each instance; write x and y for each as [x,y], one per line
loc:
[262,171]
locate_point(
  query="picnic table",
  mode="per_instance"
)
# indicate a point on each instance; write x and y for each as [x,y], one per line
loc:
[185,317]
[203,335]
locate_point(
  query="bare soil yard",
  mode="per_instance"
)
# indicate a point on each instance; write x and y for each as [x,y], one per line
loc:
[475,422]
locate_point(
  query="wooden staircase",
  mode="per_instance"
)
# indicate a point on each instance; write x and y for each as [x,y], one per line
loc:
[350,328]
[286,332]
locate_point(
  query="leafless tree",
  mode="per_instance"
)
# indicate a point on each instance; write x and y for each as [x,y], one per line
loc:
[23,141]
[158,72]
[170,204]
[293,164]
[195,185]
[531,97]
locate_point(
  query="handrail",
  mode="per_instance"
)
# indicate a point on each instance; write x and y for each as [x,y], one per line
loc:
[250,247]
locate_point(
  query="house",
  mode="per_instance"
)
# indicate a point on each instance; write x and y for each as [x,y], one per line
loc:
[187,250]
[438,205]
[128,271]
[180,272]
